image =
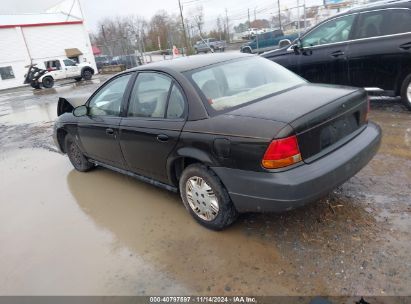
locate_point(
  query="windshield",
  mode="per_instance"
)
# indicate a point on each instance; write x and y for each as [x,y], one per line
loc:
[230,84]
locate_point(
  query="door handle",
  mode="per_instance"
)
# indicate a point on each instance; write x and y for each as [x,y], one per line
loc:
[337,54]
[109,131]
[405,46]
[162,137]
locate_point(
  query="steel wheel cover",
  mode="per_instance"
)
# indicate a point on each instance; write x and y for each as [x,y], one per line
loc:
[201,198]
[409,92]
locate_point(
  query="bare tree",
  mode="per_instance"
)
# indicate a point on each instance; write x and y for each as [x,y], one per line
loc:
[120,35]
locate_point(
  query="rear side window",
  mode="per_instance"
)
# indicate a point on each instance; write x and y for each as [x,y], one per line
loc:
[383,22]
[176,104]
[149,96]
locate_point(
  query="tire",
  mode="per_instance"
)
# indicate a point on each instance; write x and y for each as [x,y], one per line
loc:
[247,50]
[78,78]
[222,50]
[48,82]
[76,157]
[35,85]
[218,208]
[406,92]
[87,74]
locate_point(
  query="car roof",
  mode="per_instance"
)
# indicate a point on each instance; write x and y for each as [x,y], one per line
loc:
[378,5]
[187,63]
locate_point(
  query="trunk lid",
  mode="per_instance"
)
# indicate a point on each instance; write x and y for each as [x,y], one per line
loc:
[323,117]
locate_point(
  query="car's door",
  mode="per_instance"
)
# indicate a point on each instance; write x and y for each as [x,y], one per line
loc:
[381,48]
[155,117]
[55,69]
[72,70]
[322,58]
[98,131]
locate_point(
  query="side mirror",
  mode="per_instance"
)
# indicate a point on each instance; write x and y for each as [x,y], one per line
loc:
[80,111]
[298,47]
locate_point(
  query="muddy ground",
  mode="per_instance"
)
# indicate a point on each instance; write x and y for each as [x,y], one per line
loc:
[68,233]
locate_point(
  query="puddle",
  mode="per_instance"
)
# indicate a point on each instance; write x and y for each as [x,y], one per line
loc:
[25,105]
[104,233]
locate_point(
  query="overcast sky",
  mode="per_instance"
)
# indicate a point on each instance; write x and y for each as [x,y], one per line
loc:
[94,10]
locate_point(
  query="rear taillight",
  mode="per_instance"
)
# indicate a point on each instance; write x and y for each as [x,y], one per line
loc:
[282,153]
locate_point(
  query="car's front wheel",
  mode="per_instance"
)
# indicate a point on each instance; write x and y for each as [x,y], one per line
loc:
[406,92]
[205,197]
[76,157]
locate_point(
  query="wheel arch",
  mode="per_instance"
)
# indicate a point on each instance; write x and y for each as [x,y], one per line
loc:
[401,79]
[249,48]
[61,135]
[44,76]
[182,159]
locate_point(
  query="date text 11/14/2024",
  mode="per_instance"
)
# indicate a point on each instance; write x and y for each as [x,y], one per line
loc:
[202,299]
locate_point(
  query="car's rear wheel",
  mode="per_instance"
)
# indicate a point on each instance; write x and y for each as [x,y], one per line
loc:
[35,85]
[76,157]
[48,82]
[205,197]
[87,74]
[406,92]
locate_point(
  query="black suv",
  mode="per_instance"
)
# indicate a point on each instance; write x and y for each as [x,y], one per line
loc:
[368,46]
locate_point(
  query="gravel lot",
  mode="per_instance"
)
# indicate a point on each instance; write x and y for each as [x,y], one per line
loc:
[100,233]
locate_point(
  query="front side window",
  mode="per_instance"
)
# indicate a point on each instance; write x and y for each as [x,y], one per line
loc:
[337,30]
[107,102]
[383,22]
[149,96]
[230,84]
[68,62]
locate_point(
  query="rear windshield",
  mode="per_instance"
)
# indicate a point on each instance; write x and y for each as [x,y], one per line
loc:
[231,84]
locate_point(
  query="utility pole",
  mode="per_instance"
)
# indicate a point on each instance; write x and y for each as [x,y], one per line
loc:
[105,40]
[184,28]
[228,27]
[249,19]
[255,14]
[279,14]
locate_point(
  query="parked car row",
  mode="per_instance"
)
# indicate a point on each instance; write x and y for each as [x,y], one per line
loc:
[130,61]
[368,47]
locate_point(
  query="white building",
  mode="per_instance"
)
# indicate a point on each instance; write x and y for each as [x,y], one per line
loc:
[36,38]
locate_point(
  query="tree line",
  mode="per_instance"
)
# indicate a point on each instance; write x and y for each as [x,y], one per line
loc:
[123,35]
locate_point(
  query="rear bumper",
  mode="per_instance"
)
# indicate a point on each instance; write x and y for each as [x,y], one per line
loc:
[274,192]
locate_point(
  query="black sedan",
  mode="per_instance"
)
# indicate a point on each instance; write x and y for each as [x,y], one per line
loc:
[231,132]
